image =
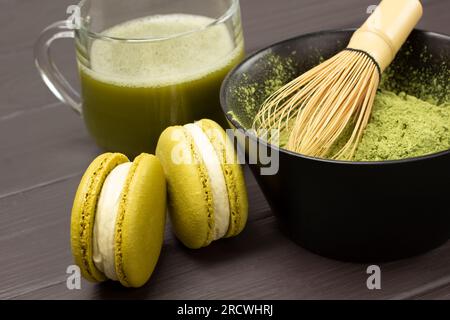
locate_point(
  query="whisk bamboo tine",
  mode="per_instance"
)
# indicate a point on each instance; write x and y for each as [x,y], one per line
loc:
[314,113]
[339,96]
[350,147]
[354,100]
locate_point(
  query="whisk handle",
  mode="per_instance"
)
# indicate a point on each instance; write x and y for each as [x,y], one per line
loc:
[385,31]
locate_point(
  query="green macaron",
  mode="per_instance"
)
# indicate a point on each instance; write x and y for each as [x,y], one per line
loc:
[118,218]
[206,186]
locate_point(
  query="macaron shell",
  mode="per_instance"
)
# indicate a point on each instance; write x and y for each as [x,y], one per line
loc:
[139,232]
[84,209]
[234,177]
[190,197]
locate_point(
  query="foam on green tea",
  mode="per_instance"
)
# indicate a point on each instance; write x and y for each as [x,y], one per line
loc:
[188,56]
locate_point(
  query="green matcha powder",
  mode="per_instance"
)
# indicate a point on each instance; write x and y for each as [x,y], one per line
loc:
[401,126]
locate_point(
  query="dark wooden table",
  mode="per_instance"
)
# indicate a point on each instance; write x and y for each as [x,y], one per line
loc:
[44,149]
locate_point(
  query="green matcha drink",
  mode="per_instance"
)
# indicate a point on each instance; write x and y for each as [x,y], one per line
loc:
[132,91]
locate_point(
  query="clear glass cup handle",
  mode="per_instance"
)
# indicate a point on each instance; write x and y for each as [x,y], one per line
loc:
[54,80]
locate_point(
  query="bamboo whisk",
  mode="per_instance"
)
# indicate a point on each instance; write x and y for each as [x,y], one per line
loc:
[337,96]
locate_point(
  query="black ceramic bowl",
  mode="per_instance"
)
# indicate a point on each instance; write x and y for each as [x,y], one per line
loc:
[355,211]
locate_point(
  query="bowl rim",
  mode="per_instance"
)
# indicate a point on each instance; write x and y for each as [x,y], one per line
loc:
[254,54]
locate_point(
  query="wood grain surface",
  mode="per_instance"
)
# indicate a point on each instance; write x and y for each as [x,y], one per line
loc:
[44,149]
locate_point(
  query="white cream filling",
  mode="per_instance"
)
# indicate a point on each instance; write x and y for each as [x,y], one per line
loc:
[216,177]
[105,220]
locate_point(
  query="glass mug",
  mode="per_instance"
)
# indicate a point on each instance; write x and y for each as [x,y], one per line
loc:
[145,65]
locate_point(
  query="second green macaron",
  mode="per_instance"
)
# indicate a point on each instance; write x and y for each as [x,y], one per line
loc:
[118,218]
[207,197]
